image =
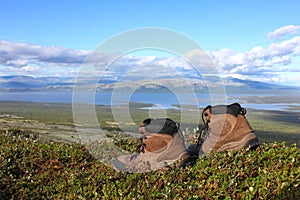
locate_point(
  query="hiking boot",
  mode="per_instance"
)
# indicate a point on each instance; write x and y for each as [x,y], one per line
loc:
[228,129]
[157,150]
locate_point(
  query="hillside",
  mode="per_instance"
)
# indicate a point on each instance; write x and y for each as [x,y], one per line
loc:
[33,168]
[201,84]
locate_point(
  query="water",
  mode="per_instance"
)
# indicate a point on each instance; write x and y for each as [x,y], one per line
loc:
[47,97]
[159,100]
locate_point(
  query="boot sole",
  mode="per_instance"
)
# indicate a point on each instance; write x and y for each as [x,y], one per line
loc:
[249,140]
[118,165]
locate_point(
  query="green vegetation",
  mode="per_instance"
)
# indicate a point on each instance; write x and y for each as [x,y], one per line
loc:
[35,168]
[269,126]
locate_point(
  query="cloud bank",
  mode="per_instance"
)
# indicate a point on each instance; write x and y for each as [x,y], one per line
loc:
[276,61]
[283,31]
[21,54]
[258,59]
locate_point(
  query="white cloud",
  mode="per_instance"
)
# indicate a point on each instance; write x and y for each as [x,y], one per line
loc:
[257,52]
[283,31]
[259,63]
[228,59]
[258,60]
[284,48]
[19,54]
[297,51]
[30,68]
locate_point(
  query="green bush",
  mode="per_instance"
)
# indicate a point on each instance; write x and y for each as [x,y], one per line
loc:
[32,168]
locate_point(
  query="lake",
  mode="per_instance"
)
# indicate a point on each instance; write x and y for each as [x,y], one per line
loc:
[160,100]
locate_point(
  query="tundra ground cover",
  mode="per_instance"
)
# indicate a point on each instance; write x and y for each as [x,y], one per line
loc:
[36,168]
[33,165]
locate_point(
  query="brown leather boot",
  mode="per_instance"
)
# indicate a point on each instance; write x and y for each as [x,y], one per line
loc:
[156,151]
[228,129]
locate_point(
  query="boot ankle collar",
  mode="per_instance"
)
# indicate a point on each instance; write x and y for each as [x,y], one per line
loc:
[233,109]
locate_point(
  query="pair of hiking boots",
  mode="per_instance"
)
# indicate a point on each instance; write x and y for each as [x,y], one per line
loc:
[162,143]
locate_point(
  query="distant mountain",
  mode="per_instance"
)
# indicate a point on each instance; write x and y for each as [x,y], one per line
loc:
[257,84]
[231,85]
[31,82]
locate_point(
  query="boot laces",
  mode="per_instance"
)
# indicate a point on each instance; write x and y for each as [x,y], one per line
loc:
[204,129]
[140,148]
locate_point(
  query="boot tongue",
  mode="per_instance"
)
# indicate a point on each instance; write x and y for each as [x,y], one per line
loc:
[233,109]
[160,125]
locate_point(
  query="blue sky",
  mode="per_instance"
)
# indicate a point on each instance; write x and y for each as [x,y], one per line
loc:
[256,40]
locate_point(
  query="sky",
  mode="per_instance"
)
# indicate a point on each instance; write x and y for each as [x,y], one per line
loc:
[254,40]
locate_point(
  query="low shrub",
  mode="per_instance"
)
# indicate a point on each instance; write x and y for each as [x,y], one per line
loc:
[33,168]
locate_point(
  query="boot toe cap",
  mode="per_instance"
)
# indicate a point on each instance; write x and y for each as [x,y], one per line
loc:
[119,165]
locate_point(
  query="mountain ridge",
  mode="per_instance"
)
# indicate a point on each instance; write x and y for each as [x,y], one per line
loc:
[53,83]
